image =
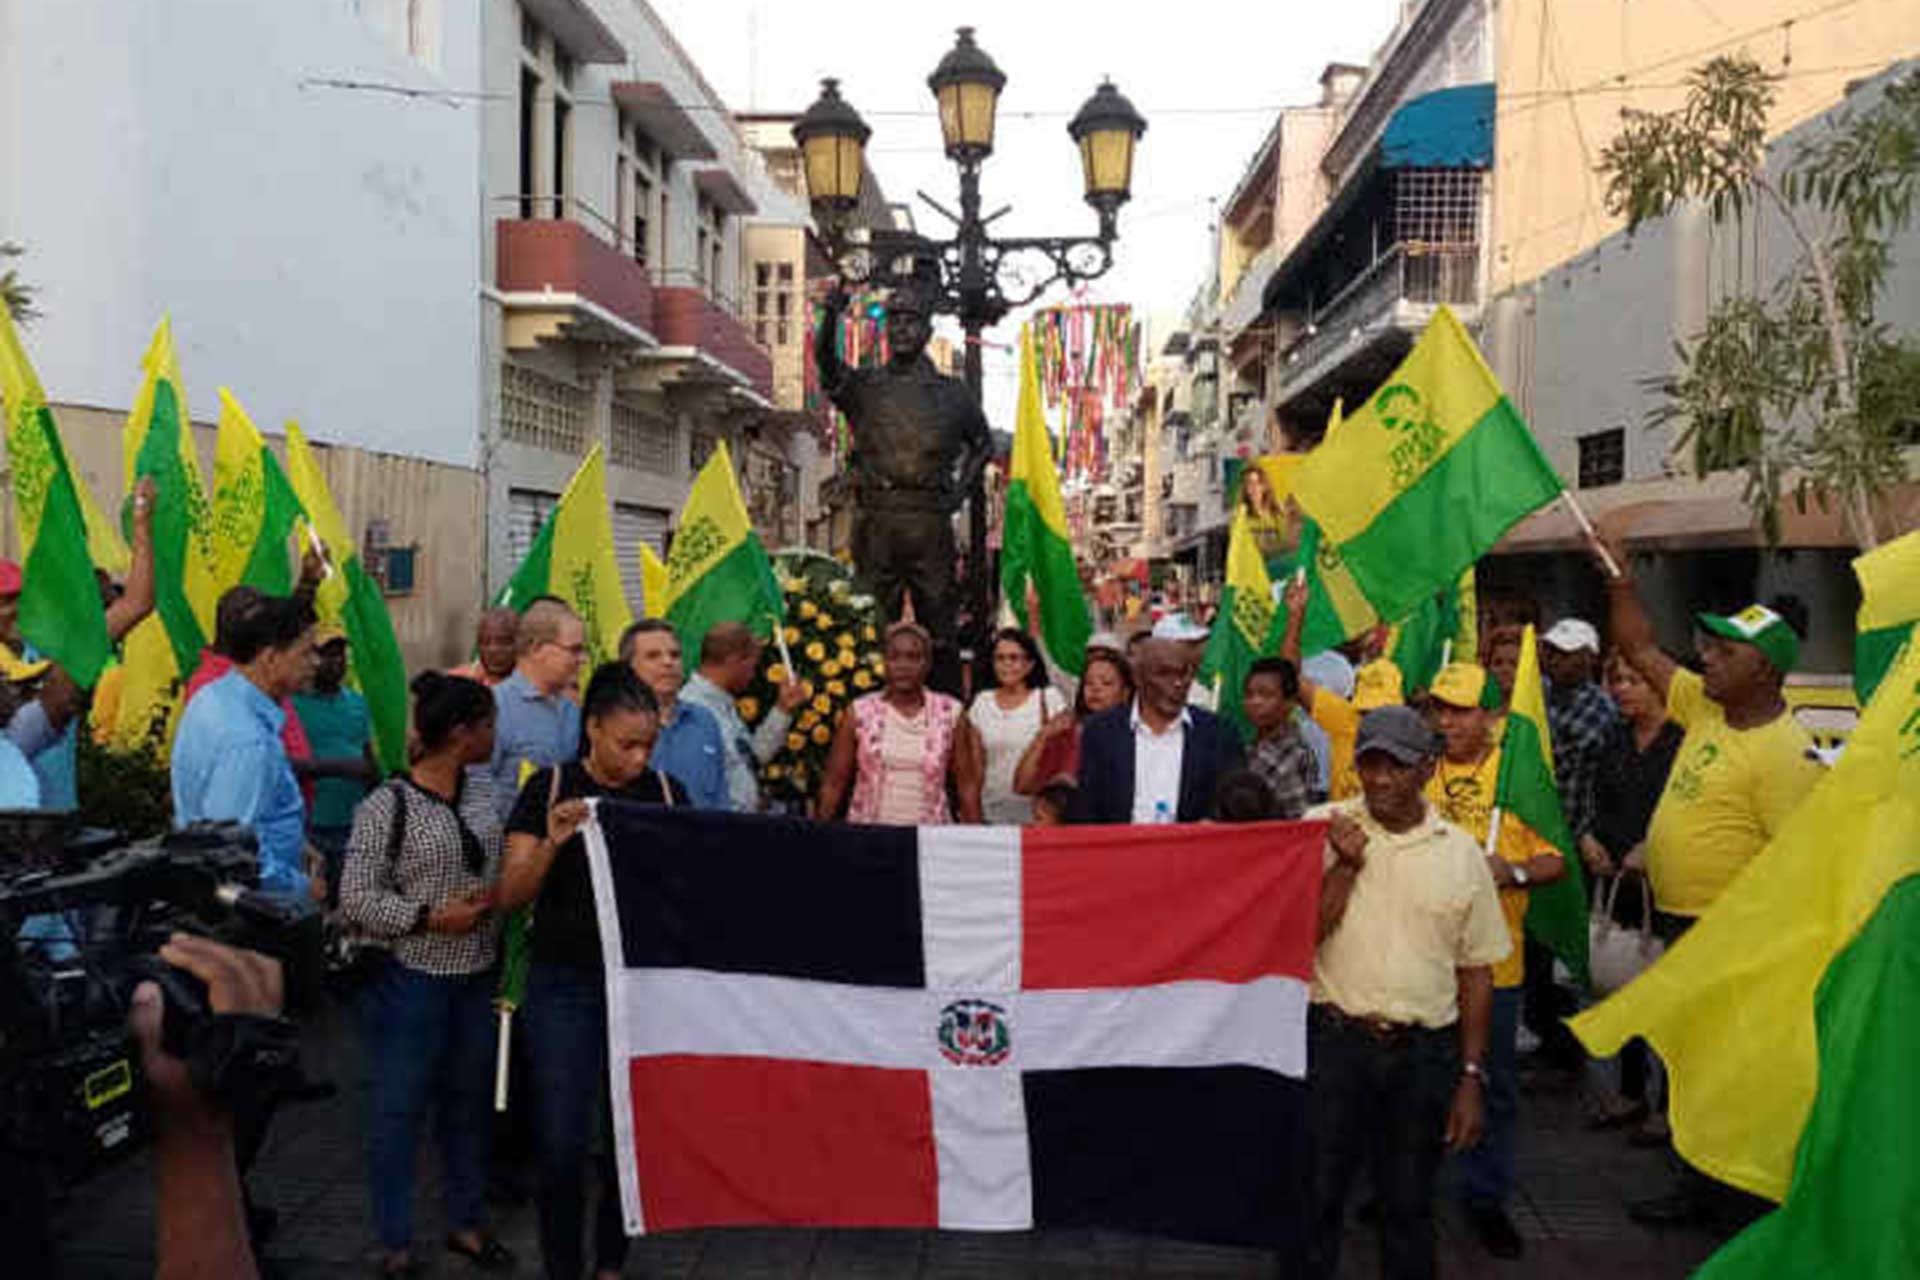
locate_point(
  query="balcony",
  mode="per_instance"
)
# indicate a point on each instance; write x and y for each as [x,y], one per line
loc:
[1244,304]
[559,281]
[709,344]
[1367,328]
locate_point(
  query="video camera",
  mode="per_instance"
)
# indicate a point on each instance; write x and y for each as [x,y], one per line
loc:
[81,918]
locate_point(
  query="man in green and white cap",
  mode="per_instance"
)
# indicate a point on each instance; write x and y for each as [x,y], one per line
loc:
[1744,765]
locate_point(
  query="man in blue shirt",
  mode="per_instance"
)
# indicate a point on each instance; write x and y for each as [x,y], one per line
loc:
[229,764]
[729,658]
[689,747]
[537,722]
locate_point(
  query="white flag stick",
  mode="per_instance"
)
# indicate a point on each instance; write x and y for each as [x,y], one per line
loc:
[500,1059]
[1446,651]
[1586,527]
[780,639]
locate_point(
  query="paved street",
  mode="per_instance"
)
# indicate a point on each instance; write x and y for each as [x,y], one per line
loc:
[1574,1185]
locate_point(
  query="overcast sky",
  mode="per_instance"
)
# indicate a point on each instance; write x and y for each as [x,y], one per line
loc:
[1207,75]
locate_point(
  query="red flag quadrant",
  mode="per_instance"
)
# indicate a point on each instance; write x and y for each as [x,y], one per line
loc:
[960,1027]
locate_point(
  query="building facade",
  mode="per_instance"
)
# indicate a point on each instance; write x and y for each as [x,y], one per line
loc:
[461,243]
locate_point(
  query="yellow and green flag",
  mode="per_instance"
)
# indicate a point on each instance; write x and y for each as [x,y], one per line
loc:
[572,559]
[105,546]
[717,568]
[254,507]
[1337,610]
[1787,1015]
[1035,545]
[653,581]
[162,651]
[1525,788]
[1889,606]
[1427,476]
[349,596]
[60,611]
[1245,630]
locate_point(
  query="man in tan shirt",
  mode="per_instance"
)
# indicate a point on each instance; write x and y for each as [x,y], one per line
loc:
[1410,927]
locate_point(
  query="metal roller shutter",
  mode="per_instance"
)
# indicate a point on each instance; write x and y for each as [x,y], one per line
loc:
[633,525]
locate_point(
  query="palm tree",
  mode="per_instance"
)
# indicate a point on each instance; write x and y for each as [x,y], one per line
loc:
[16,293]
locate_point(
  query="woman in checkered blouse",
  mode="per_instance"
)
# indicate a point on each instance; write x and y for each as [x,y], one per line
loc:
[421,869]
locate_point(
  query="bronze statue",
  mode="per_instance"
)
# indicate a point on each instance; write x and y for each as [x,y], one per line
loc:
[919,442]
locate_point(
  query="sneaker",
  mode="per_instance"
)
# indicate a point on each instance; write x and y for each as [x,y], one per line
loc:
[1498,1236]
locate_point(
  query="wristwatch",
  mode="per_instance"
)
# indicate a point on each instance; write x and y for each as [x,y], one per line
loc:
[1519,874]
[1474,1071]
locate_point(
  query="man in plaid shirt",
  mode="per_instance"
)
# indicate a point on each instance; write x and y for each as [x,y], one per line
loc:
[1280,756]
[1581,715]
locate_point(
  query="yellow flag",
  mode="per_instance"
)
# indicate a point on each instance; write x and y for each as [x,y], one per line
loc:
[653,582]
[1730,1008]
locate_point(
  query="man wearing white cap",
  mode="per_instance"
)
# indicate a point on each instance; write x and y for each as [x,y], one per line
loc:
[1581,716]
[1183,629]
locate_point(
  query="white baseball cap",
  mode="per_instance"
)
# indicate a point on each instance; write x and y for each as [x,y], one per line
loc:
[1571,635]
[1178,626]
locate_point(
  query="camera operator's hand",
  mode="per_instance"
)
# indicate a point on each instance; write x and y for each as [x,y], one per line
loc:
[461,915]
[202,1227]
[237,982]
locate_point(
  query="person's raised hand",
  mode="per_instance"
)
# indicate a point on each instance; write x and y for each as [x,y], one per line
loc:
[1295,596]
[791,695]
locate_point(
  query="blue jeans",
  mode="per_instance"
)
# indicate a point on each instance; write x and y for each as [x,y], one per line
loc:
[566,1021]
[428,1038]
[1486,1172]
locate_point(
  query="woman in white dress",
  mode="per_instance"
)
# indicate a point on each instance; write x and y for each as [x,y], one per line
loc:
[1008,716]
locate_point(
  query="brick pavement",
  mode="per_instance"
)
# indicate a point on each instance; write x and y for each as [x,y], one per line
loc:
[1574,1186]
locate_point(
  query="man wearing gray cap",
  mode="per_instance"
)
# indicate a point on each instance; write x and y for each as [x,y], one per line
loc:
[1410,927]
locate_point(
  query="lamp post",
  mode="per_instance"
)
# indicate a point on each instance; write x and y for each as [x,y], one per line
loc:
[971,275]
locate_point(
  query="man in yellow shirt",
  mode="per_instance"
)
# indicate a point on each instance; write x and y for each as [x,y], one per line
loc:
[1397,1034]
[1375,684]
[1462,791]
[1744,765]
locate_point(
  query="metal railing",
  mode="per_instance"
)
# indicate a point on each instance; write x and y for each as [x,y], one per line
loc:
[1409,272]
[556,208]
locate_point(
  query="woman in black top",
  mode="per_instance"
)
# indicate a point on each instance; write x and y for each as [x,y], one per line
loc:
[566,1006]
[1632,777]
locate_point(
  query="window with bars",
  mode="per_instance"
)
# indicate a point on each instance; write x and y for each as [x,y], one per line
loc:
[541,411]
[641,440]
[1603,458]
[1437,207]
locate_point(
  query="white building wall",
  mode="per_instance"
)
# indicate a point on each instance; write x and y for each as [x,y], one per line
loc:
[314,245]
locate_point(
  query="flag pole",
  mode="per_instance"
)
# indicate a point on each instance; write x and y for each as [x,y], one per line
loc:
[1446,652]
[1493,830]
[500,1058]
[780,639]
[1593,536]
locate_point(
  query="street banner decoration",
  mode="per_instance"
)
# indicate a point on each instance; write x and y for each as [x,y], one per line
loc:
[717,567]
[1088,358]
[1889,606]
[254,507]
[349,596]
[572,559]
[60,613]
[1245,630]
[1427,476]
[1525,789]
[164,649]
[1035,547]
[972,1028]
[1763,1015]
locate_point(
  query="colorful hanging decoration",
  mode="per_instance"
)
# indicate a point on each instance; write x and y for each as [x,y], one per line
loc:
[1089,367]
[862,343]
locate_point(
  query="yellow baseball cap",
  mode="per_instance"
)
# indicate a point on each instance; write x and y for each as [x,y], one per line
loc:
[1460,684]
[13,669]
[1378,684]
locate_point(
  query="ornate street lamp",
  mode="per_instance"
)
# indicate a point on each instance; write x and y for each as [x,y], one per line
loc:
[967,86]
[833,146]
[973,276]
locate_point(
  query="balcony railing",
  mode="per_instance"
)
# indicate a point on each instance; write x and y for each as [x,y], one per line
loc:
[559,255]
[1244,304]
[687,317]
[1399,291]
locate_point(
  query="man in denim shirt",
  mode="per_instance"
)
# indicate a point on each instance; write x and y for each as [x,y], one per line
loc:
[229,764]
[729,658]
[689,747]
[538,722]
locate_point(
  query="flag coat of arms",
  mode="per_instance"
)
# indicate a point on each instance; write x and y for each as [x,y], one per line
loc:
[976,1028]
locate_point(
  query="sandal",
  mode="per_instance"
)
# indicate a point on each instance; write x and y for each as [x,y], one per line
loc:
[401,1262]
[491,1255]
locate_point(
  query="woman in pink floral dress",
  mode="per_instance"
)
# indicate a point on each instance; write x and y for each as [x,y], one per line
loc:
[897,750]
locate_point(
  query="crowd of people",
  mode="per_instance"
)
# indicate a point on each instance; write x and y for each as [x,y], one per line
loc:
[1426,982]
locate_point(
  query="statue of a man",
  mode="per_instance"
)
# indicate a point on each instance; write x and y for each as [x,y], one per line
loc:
[919,442]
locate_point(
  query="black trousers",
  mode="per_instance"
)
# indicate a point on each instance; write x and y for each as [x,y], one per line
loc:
[1383,1101]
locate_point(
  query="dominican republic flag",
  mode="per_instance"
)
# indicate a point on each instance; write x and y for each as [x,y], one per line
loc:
[978,1028]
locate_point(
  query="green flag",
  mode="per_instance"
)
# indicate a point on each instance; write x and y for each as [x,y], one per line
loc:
[254,507]
[572,559]
[1850,1209]
[1035,546]
[1244,631]
[1557,912]
[59,603]
[718,569]
[1889,606]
